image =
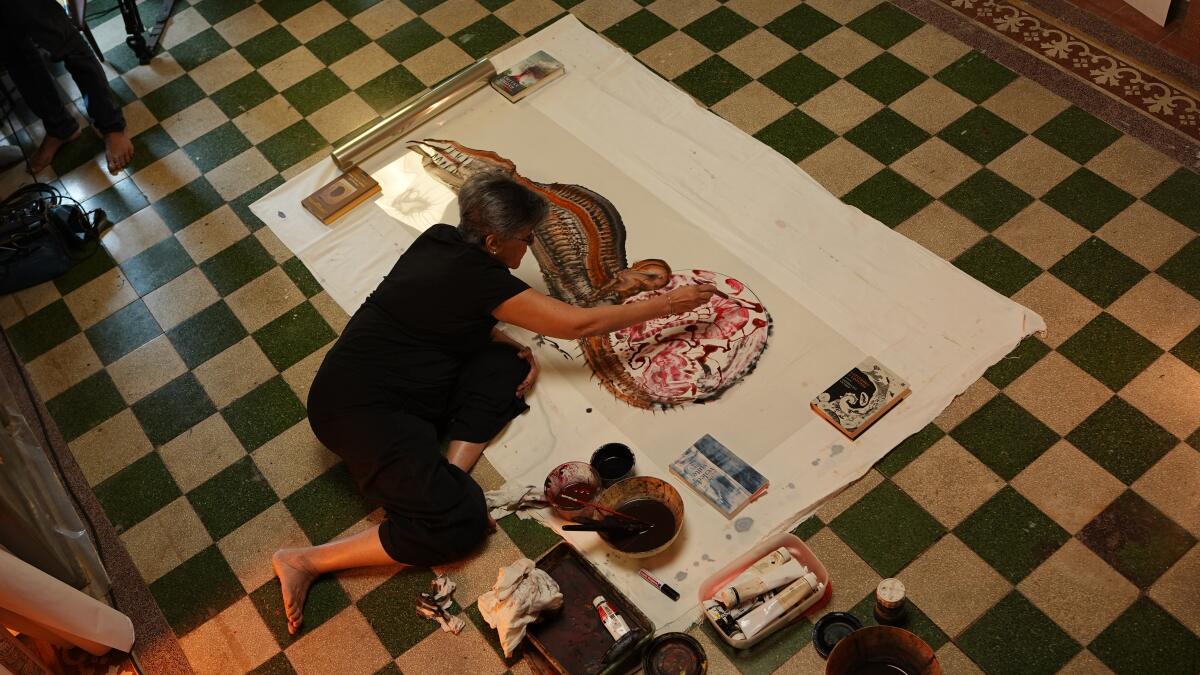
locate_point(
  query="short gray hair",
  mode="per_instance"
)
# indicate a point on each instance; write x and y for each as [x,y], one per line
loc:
[493,203]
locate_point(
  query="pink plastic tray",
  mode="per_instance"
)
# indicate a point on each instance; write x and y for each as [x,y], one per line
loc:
[727,574]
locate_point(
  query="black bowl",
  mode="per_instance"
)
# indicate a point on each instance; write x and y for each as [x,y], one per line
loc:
[831,628]
[674,654]
[613,461]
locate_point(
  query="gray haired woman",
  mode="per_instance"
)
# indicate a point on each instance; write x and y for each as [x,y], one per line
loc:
[422,361]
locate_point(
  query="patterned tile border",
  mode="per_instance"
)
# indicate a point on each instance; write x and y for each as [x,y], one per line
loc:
[1167,104]
[1116,37]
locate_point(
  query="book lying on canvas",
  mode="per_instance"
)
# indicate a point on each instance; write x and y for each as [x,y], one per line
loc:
[343,193]
[860,397]
[519,81]
[720,476]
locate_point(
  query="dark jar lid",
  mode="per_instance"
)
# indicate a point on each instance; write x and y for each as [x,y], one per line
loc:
[831,628]
[674,654]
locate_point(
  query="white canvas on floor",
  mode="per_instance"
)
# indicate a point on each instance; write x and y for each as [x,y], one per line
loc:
[700,193]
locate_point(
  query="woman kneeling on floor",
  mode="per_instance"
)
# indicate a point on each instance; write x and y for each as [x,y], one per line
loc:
[422,359]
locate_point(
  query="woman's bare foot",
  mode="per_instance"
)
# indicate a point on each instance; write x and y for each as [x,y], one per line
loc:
[47,150]
[295,578]
[118,149]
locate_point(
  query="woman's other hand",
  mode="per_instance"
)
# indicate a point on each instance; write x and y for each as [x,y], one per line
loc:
[523,388]
[687,298]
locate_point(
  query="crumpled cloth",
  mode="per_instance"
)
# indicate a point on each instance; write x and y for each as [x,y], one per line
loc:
[435,605]
[520,594]
[512,497]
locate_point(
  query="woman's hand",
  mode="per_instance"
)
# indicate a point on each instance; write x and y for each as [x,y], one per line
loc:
[687,298]
[523,388]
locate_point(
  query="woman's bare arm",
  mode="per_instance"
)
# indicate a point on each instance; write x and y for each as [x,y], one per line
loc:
[542,314]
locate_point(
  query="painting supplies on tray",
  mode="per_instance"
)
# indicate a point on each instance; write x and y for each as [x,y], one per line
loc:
[860,397]
[336,198]
[527,76]
[598,631]
[764,590]
[718,475]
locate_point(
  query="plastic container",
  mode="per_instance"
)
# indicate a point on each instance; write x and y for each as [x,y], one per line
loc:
[727,574]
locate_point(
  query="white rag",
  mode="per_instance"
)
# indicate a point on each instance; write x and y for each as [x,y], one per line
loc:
[520,594]
[435,605]
[512,497]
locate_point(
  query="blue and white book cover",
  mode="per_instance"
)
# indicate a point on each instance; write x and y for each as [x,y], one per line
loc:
[719,476]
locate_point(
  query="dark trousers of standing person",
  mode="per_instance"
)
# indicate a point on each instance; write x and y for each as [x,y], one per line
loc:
[26,25]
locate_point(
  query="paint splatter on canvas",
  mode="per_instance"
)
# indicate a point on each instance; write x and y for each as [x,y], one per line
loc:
[663,363]
[688,357]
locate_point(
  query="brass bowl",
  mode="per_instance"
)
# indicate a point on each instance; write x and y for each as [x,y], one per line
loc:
[642,487]
[883,647]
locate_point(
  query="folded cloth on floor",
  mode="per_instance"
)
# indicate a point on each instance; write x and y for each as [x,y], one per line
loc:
[435,605]
[521,593]
[514,497]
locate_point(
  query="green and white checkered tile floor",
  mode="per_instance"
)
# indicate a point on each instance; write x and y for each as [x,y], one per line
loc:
[1047,521]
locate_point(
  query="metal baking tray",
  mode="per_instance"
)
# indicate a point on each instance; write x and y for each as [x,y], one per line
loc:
[572,640]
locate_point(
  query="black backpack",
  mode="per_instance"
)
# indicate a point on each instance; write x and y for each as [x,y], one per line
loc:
[42,234]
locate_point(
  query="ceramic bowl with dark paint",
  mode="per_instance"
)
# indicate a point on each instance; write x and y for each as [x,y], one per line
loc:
[613,461]
[652,500]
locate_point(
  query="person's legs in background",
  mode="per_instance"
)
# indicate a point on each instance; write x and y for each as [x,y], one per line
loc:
[28,71]
[44,23]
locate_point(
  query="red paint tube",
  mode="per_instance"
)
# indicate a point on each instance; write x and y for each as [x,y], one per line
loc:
[612,621]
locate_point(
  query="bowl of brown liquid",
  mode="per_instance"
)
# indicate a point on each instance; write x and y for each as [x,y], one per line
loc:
[648,499]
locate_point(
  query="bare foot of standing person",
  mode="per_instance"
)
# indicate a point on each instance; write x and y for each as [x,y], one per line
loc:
[47,150]
[118,149]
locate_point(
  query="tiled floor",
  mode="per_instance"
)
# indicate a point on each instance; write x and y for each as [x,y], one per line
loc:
[1046,521]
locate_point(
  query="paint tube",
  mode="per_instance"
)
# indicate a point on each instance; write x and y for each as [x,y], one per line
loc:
[612,621]
[753,623]
[773,559]
[749,586]
[726,619]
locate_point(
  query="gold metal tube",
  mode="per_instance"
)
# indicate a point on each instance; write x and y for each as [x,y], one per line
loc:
[413,113]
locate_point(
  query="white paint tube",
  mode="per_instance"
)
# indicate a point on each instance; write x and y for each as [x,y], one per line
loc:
[726,619]
[773,559]
[751,585]
[612,621]
[753,623]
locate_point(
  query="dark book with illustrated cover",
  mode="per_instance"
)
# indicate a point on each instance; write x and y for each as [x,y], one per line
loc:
[519,81]
[719,476]
[860,397]
[343,193]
